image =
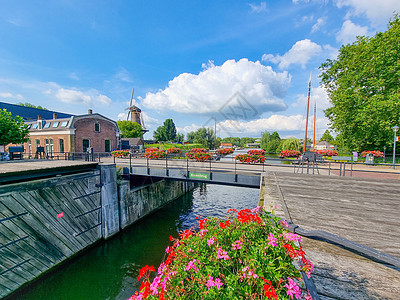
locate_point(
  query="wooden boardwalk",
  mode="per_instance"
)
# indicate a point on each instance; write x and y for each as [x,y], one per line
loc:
[365,211]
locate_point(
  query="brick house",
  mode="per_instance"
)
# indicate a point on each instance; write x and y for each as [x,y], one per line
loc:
[73,134]
[60,133]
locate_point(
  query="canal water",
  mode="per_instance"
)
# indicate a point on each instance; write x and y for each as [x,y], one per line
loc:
[110,269]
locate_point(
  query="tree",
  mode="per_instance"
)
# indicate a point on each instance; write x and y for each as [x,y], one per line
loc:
[166,132]
[246,140]
[179,137]
[190,137]
[206,137]
[12,129]
[265,137]
[26,104]
[327,136]
[290,144]
[363,86]
[130,129]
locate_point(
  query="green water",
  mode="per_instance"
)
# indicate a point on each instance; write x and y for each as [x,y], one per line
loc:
[110,269]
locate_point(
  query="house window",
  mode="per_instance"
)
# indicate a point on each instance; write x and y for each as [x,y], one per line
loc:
[29,126]
[35,126]
[51,147]
[107,147]
[47,125]
[29,148]
[86,145]
[61,144]
[96,127]
[64,124]
[47,146]
[37,144]
[55,124]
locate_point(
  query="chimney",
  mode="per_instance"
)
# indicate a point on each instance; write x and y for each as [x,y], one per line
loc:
[90,111]
[39,121]
[39,117]
[54,116]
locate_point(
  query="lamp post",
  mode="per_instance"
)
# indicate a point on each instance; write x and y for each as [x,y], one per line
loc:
[395,129]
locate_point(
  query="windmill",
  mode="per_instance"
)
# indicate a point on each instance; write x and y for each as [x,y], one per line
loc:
[135,113]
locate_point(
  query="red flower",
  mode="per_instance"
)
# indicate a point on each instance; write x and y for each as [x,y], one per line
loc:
[224,224]
[269,290]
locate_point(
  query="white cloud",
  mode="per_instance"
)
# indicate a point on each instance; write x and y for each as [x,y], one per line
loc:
[262,7]
[318,95]
[88,98]
[188,128]
[349,31]
[317,26]
[293,123]
[74,76]
[122,116]
[123,75]
[378,12]
[11,96]
[210,90]
[149,122]
[300,54]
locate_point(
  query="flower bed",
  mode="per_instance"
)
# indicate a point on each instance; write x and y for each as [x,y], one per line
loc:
[120,153]
[152,149]
[256,152]
[198,150]
[247,256]
[250,159]
[224,151]
[375,153]
[327,152]
[155,154]
[198,156]
[290,153]
[173,150]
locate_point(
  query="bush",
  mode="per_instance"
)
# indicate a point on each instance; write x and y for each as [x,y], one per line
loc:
[247,256]
[225,151]
[250,159]
[120,153]
[256,152]
[155,154]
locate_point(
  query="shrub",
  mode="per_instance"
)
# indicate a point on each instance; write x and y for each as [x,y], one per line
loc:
[120,153]
[225,151]
[155,154]
[375,153]
[247,256]
[290,153]
[256,152]
[250,159]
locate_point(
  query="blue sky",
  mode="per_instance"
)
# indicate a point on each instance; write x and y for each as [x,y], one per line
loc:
[241,65]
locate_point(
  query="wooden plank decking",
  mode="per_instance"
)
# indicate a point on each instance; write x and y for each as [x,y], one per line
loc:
[365,211]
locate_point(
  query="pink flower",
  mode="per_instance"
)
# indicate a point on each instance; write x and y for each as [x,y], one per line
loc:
[308,296]
[168,249]
[211,241]
[218,283]
[272,240]
[154,285]
[202,232]
[237,245]
[284,223]
[221,254]
[257,209]
[292,237]
[293,289]
[192,265]
[210,282]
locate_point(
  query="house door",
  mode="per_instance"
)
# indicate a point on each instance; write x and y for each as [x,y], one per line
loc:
[86,144]
[107,146]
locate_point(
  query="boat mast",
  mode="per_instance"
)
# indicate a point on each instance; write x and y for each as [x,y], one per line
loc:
[315,117]
[308,107]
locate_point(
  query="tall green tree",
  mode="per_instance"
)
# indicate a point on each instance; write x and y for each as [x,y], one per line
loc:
[290,144]
[265,137]
[179,137]
[166,132]
[363,87]
[130,129]
[12,129]
[206,137]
